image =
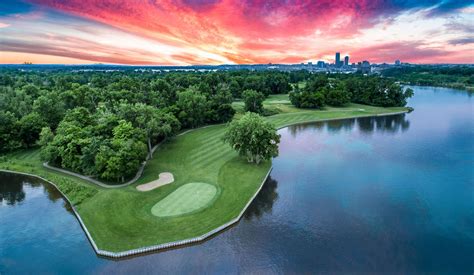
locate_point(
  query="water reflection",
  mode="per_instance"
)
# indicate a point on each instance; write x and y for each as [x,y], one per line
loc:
[366,125]
[340,124]
[11,188]
[389,124]
[264,201]
[52,192]
[11,193]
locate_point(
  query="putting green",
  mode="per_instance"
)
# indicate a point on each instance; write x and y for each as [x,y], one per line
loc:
[187,198]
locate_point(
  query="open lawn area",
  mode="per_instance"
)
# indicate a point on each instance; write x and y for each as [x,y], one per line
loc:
[125,218]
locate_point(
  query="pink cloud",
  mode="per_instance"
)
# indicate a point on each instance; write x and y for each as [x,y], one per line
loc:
[251,31]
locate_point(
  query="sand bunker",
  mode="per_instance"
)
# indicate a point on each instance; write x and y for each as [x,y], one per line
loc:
[163,179]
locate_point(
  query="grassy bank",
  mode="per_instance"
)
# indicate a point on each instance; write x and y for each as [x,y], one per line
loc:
[121,219]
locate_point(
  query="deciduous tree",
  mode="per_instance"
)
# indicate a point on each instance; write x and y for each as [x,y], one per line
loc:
[253,137]
[253,101]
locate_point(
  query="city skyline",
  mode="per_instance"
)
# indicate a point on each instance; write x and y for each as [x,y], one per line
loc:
[189,32]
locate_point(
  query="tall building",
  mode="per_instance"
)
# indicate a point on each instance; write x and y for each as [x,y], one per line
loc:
[364,67]
[321,64]
[346,60]
[397,62]
[338,60]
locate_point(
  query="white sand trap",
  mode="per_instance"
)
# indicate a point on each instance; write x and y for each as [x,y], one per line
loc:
[163,179]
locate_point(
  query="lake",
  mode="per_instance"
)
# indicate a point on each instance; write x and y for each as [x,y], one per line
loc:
[383,194]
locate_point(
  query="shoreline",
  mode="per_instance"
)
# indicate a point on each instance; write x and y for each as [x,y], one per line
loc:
[142,166]
[204,236]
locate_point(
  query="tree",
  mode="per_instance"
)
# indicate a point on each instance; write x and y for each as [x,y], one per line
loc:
[48,152]
[50,107]
[235,88]
[253,101]
[317,83]
[192,107]
[278,83]
[16,101]
[337,97]
[45,136]
[8,139]
[220,105]
[165,95]
[31,90]
[30,128]
[257,83]
[124,155]
[305,99]
[156,123]
[253,137]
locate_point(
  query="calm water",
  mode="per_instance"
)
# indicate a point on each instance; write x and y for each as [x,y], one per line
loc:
[370,195]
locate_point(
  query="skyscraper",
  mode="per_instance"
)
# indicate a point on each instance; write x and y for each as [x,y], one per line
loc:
[364,67]
[338,60]
[346,60]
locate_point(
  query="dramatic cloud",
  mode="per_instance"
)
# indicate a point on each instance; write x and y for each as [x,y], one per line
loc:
[228,31]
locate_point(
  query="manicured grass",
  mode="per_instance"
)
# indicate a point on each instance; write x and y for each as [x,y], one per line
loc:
[121,219]
[188,198]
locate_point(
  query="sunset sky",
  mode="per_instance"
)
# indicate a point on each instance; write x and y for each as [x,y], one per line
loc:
[184,32]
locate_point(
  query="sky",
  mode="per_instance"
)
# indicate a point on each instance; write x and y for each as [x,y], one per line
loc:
[187,32]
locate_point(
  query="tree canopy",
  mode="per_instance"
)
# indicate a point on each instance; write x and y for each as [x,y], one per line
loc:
[252,137]
[321,90]
[253,101]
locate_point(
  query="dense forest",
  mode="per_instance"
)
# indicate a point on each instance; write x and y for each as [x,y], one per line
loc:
[457,77]
[105,123]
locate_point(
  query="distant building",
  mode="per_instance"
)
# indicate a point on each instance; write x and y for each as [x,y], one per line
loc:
[310,63]
[364,67]
[346,60]
[397,62]
[338,60]
[321,64]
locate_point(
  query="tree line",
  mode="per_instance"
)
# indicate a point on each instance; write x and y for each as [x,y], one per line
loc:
[457,77]
[339,90]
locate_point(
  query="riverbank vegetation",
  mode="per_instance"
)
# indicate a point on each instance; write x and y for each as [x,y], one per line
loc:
[456,77]
[323,90]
